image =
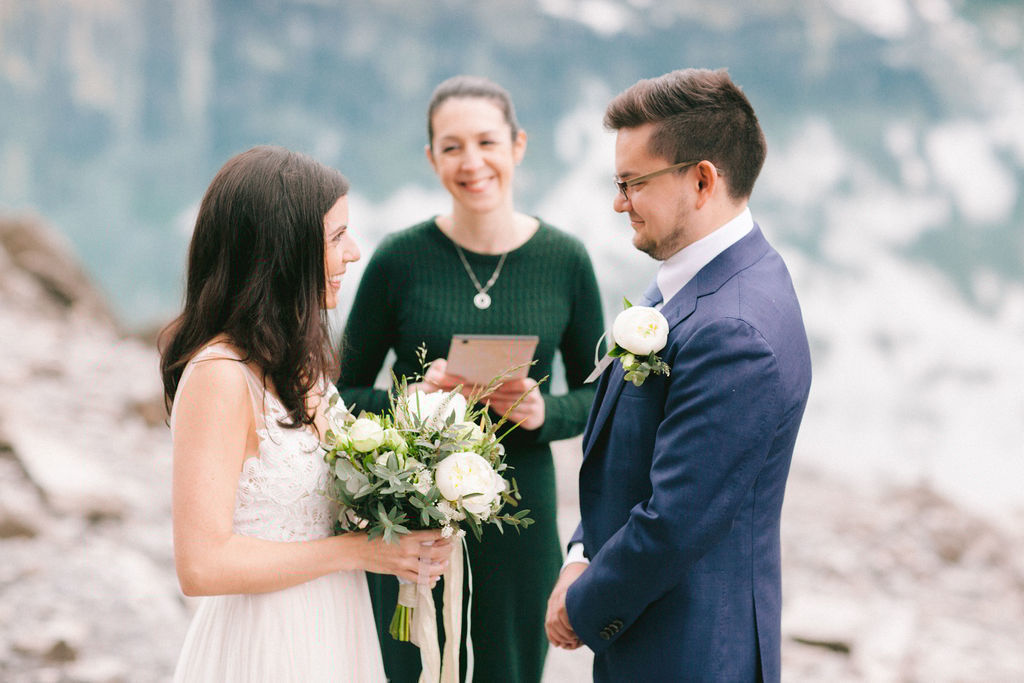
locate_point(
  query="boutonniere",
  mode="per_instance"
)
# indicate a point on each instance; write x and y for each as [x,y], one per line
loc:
[638,333]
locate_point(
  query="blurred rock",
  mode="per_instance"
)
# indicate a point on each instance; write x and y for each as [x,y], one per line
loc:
[22,513]
[900,583]
[98,670]
[17,519]
[38,251]
[829,621]
[70,483]
[85,474]
[57,641]
[882,651]
[153,410]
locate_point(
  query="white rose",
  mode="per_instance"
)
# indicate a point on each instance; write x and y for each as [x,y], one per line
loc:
[464,473]
[640,330]
[365,435]
[431,407]
[394,440]
[341,440]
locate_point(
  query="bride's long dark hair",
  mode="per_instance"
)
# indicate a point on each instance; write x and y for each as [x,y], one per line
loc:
[256,274]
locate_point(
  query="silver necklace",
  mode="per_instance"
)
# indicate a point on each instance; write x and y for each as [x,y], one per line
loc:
[482,299]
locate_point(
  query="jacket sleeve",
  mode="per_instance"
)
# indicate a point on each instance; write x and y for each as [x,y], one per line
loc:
[721,412]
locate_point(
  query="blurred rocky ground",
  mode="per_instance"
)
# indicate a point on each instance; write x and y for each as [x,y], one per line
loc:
[880,585]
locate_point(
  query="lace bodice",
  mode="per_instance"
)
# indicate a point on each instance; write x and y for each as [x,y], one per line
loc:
[280,491]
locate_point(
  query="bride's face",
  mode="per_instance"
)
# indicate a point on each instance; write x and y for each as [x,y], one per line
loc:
[339,249]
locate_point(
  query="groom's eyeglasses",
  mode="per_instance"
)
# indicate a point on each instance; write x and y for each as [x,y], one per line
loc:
[624,185]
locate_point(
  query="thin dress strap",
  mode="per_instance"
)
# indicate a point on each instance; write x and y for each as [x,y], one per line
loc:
[222,351]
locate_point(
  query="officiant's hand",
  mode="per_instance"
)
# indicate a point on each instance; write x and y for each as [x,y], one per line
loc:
[530,412]
[438,379]
[556,623]
[415,553]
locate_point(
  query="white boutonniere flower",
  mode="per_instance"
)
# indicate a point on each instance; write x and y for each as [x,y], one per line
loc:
[638,333]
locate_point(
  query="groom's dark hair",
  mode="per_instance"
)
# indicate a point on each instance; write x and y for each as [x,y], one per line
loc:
[698,114]
[256,274]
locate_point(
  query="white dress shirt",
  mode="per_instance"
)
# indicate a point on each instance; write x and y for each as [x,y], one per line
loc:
[673,274]
[679,268]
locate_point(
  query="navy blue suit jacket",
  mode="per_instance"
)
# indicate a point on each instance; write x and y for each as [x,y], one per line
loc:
[682,483]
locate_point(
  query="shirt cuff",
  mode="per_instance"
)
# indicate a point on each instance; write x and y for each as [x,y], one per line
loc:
[575,554]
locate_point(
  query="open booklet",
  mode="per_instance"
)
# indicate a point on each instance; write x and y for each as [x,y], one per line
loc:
[482,357]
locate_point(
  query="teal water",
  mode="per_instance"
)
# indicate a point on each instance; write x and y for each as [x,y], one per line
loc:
[115,115]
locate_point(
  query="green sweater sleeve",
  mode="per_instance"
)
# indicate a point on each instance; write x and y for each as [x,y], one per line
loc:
[369,333]
[565,416]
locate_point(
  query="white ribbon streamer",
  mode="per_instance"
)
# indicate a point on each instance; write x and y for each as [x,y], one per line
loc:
[423,630]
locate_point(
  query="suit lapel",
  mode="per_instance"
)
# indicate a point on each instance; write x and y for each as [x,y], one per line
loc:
[599,391]
[711,277]
[613,381]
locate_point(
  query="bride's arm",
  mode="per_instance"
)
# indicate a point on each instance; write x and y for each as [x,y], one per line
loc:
[213,419]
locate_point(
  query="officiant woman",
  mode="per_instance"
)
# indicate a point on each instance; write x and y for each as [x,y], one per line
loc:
[483,268]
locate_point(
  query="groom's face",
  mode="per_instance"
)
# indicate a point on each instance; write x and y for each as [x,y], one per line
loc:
[659,209]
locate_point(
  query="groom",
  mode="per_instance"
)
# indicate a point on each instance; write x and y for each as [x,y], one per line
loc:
[674,572]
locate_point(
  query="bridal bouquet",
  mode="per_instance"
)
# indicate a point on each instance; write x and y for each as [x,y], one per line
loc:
[431,461]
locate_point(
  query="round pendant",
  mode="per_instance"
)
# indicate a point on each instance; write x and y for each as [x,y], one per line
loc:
[482,300]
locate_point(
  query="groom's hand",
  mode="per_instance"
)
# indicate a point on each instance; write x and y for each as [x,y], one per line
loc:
[556,623]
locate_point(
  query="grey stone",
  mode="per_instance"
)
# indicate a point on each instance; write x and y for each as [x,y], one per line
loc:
[35,249]
[56,641]
[98,670]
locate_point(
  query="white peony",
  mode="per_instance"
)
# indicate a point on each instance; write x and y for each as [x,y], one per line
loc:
[366,435]
[434,408]
[640,330]
[464,473]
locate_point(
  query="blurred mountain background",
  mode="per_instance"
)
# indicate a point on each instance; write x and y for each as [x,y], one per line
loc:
[892,187]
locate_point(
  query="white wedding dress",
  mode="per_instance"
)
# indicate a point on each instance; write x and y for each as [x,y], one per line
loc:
[321,630]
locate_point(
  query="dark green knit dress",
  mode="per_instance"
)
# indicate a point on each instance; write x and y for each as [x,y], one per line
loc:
[415,291]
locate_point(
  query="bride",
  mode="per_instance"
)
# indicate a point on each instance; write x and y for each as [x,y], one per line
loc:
[246,374]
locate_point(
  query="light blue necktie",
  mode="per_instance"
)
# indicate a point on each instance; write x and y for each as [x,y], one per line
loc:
[651,296]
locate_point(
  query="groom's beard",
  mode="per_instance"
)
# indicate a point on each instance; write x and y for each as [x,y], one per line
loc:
[676,239]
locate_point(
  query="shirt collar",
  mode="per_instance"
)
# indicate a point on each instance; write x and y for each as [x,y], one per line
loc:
[678,269]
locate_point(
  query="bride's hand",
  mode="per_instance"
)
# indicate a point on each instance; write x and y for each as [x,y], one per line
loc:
[414,552]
